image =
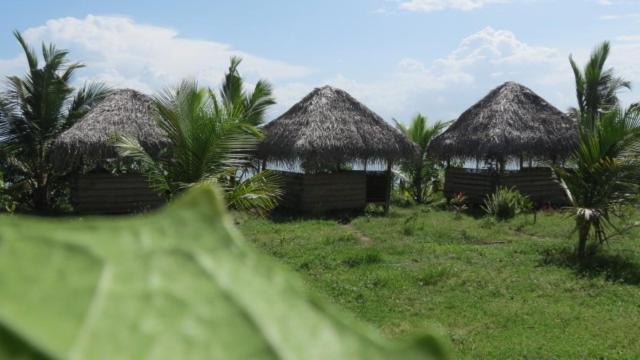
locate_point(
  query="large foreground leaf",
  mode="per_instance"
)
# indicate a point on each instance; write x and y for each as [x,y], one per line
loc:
[177,284]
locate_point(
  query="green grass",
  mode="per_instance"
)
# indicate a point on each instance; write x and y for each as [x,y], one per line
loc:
[498,289]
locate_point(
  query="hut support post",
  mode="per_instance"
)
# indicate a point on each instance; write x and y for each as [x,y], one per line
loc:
[387,198]
[521,162]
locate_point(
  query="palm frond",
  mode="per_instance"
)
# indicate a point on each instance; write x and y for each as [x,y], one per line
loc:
[32,58]
[89,95]
[259,192]
[129,147]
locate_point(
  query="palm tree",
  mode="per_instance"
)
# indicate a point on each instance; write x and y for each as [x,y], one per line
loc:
[596,87]
[605,177]
[605,168]
[36,109]
[250,107]
[422,170]
[211,140]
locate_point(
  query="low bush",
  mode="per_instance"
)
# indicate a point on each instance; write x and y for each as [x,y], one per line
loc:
[458,204]
[506,203]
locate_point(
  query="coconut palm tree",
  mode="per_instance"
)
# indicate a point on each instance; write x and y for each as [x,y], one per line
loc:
[596,86]
[212,138]
[422,170]
[605,176]
[35,109]
[250,107]
[605,168]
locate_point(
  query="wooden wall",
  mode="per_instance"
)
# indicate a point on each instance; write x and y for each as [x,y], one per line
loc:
[539,184]
[377,187]
[337,191]
[104,193]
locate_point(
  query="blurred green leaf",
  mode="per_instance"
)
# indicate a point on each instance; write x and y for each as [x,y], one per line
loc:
[177,284]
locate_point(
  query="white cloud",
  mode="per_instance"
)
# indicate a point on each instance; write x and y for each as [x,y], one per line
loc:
[628,38]
[12,66]
[446,86]
[438,5]
[617,2]
[125,53]
[614,17]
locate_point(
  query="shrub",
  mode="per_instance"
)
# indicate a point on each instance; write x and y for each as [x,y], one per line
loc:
[506,203]
[373,210]
[402,198]
[458,204]
[7,204]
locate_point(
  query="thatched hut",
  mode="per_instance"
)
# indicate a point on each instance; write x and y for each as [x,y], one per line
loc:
[87,147]
[505,134]
[323,132]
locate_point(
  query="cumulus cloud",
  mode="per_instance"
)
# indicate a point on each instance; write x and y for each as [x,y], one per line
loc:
[439,5]
[447,85]
[125,53]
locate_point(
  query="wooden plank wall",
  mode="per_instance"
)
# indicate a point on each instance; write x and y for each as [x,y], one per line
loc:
[98,193]
[376,186]
[474,185]
[291,186]
[324,192]
[539,184]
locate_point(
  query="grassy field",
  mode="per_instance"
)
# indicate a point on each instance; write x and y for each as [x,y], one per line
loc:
[499,290]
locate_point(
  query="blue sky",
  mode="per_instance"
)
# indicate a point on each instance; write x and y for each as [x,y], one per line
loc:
[399,57]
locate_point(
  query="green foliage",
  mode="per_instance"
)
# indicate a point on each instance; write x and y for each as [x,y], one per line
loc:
[420,177]
[212,138]
[411,224]
[604,174]
[151,287]
[401,196]
[505,203]
[373,210]
[433,276]
[34,110]
[458,203]
[604,177]
[361,258]
[596,87]
[499,292]
[7,204]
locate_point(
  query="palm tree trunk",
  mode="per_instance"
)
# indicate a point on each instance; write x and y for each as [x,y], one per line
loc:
[417,187]
[41,194]
[583,236]
[417,184]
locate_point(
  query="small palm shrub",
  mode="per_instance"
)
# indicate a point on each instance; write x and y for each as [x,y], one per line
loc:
[458,204]
[506,203]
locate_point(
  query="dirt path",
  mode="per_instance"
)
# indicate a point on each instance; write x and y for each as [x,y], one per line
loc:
[359,234]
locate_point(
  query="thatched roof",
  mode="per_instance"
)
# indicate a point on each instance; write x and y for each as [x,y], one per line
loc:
[510,121]
[329,126]
[89,141]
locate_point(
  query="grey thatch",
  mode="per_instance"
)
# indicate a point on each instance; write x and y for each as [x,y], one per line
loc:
[510,121]
[89,141]
[329,126]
